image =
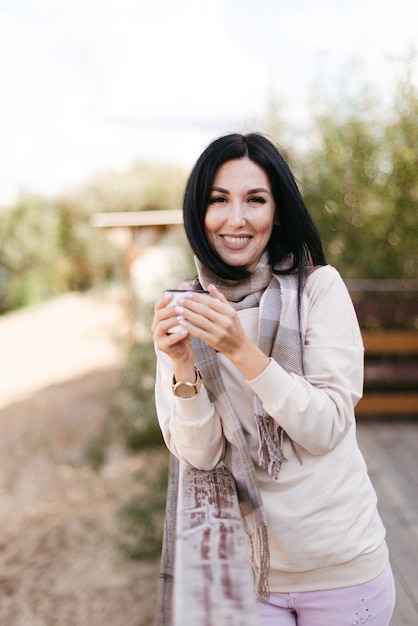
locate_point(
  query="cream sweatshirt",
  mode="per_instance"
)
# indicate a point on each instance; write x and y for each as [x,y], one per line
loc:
[324,528]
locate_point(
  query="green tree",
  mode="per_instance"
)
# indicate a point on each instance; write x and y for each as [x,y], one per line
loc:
[144,186]
[359,180]
[28,243]
[401,191]
[48,246]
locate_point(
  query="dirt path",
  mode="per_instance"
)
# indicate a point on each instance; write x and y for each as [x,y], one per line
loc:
[60,365]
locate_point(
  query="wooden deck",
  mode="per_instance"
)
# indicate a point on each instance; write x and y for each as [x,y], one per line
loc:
[391,453]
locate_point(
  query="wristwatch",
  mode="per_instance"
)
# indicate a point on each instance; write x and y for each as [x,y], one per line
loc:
[186,390]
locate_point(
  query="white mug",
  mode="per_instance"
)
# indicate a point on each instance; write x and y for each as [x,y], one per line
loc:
[176,294]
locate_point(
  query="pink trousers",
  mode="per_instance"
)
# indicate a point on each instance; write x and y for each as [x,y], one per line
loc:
[370,604]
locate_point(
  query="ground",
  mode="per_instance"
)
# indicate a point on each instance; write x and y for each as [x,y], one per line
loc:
[61,364]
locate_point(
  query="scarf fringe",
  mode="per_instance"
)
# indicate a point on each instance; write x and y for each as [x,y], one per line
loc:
[260,562]
[270,450]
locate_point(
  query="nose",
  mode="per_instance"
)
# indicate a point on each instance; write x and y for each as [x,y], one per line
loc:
[236,216]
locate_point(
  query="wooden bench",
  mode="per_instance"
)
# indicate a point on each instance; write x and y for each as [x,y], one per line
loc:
[388,315]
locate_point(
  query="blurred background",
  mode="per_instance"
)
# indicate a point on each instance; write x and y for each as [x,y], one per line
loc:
[105,106]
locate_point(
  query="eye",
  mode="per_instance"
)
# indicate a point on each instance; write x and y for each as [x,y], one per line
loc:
[256,200]
[217,200]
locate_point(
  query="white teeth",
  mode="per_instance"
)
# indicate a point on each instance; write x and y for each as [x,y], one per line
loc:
[236,239]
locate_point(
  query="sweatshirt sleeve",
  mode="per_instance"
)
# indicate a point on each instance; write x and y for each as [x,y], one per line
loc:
[317,410]
[191,428]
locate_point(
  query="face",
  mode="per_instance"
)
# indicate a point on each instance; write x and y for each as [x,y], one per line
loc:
[240,215]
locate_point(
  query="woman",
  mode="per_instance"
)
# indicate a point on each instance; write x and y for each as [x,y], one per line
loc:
[264,375]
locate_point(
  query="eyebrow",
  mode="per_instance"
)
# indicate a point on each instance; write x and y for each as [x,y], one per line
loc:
[250,191]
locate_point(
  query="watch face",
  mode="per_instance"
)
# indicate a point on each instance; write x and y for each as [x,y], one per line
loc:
[182,390]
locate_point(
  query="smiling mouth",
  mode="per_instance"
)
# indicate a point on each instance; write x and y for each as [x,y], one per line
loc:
[236,241]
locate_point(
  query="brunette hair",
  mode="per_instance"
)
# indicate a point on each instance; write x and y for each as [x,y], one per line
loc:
[294,232]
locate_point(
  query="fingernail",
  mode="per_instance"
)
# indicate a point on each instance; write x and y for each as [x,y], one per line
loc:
[179,309]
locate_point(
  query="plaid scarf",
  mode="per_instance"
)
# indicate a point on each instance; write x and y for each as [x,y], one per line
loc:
[280,336]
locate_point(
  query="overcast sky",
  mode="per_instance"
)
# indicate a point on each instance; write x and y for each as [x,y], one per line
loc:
[88,85]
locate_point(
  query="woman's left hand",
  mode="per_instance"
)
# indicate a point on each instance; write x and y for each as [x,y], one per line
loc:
[213,320]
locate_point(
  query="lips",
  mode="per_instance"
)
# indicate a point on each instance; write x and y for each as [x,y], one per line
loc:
[236,242]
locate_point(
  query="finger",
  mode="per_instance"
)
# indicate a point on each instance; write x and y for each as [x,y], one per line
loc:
[169,327]
[165,317]
[205,313]
[215,293]
[165,325]
[168,340]
[211,322]
[163,301]
[206,305]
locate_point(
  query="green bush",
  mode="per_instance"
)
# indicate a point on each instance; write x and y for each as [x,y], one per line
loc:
[134,411]
[359,180]
[142,518]
[48,246]
[134,419]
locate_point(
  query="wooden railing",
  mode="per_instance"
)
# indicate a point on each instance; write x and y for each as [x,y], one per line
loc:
[206,578]
[388,316]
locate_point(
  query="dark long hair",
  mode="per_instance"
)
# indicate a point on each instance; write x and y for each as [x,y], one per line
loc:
[294,232]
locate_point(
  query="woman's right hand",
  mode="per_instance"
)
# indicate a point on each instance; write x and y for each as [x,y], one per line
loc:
[177,345]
